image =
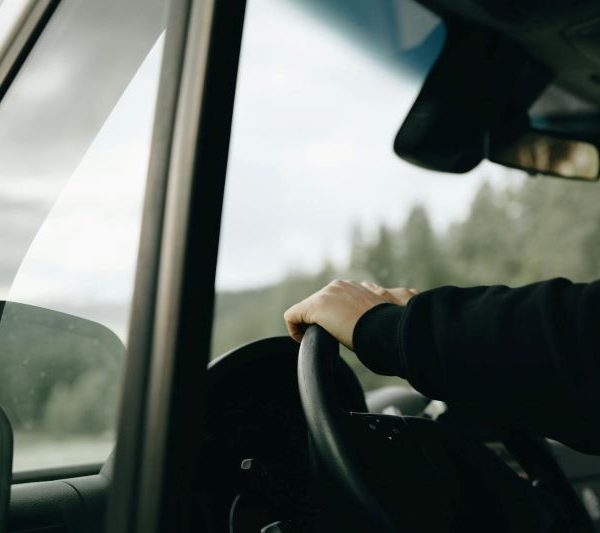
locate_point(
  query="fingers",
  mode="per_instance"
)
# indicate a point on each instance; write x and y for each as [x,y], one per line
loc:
[336,307]
[297,320]
[401,295]
[398,295]
[296,330]
[372,286]
[381,291]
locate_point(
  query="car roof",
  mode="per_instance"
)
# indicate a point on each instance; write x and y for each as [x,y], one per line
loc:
[564,35]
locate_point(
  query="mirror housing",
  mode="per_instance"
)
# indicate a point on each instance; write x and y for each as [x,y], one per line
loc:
[60,373]
[479,82]
[539,152]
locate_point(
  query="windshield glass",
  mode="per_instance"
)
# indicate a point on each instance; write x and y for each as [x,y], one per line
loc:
[315,192]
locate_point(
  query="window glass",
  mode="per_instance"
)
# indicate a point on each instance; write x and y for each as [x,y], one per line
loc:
[315,192]
[75,131]
[11,13]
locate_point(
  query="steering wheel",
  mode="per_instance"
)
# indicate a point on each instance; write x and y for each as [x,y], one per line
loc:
[397,473]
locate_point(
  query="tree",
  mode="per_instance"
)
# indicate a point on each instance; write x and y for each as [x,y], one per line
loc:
[381,259]
[487,247]
[421,262]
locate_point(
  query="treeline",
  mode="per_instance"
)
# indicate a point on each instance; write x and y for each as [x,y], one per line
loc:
[541,229]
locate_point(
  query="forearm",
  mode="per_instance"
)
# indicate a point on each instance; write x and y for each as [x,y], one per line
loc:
[529,354]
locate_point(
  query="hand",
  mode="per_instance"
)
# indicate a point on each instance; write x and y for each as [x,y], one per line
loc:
[398,295]
[338,306]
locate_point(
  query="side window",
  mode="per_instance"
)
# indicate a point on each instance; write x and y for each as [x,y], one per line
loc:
[75,129]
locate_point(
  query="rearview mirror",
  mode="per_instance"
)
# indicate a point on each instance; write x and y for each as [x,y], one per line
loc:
[545,153]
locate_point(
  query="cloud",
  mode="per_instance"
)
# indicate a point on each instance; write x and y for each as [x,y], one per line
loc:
[311,152]
[52,112]
[81,230]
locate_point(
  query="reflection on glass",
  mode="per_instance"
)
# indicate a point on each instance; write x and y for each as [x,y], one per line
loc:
[546,154]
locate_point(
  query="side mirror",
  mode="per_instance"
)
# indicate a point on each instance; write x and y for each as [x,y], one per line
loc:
[59,379]
[545,153]
[6,461]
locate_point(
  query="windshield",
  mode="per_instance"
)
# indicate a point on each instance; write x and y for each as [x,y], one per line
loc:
[315,192]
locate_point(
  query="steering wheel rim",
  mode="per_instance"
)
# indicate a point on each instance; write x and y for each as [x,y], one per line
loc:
[327,423]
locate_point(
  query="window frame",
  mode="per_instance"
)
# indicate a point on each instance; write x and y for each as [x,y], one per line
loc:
[171,323]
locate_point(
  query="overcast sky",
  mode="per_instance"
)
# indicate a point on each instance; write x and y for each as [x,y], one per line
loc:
[75,130]
[311,153]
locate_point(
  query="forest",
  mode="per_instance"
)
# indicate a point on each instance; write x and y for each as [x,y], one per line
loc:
[514,235]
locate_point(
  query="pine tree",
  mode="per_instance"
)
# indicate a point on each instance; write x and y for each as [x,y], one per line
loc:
[422,260]
[381,258]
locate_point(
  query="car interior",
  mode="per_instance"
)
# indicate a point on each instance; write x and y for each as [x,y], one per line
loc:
[162,393]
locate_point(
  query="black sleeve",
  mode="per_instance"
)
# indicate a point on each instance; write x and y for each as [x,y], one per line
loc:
[530,355]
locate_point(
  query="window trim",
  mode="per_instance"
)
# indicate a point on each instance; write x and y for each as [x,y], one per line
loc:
[29,26]
[55,473]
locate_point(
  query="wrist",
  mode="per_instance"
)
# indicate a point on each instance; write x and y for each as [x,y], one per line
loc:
[377,342]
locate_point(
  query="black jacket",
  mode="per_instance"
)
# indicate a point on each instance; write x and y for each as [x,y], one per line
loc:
[530,356]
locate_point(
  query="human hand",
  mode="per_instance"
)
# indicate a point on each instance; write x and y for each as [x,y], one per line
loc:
[398,295]
[336,307]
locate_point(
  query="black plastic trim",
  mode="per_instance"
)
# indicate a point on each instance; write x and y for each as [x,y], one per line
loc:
[6,457]
[171,321]
[183,328]
[131,426]
[52,474]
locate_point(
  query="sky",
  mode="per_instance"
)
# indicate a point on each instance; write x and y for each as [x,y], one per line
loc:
[311,153]
[89,239]
[75,129]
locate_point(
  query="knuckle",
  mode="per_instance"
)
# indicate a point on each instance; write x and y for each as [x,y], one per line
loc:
[320,298]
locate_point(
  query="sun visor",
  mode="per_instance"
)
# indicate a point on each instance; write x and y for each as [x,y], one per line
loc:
[480,80]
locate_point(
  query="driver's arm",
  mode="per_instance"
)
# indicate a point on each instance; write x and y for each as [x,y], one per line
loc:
[530,355]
